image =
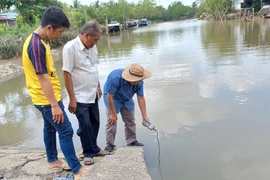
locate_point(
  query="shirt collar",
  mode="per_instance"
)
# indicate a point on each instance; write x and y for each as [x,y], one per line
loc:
[82,47]
[125,81]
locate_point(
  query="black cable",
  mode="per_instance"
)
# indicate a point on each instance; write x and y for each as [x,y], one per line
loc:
[159,168]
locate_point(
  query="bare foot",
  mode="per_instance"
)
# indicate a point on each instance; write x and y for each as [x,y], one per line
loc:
[55,163]
[58,165]
[83,171]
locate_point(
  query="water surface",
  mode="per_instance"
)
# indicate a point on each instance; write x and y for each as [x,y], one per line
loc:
[208,97]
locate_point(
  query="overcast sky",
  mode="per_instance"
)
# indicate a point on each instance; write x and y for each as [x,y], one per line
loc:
[164,3]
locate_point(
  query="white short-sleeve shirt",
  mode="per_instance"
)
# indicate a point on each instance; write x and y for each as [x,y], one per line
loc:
[82,64]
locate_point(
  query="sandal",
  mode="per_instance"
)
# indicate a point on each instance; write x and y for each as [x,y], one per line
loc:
[103,153]
[64,166]
[88,161]
[110,147]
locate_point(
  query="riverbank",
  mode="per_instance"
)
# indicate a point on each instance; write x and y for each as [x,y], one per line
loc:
[30,164]
[13,67]
[10,69]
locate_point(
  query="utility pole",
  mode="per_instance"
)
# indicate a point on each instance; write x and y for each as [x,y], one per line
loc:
[106,24]
[85,15]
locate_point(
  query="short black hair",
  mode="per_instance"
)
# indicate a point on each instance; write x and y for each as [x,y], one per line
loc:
[55,17]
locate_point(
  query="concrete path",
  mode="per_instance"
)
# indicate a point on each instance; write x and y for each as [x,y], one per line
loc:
[127,163]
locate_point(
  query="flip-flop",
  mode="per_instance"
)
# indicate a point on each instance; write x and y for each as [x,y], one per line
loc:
[88,161]
[103,153]
[64,166]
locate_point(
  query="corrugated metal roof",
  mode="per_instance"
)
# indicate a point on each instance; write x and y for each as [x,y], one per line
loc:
[2,18]
[10,15]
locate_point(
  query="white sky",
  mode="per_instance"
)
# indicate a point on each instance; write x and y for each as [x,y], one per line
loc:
[164,3]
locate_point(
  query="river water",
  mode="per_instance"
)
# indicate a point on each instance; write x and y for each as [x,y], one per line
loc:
[208,97]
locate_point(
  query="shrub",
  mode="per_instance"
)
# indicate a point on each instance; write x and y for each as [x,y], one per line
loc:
[231,16]
[67,36]
[10,46]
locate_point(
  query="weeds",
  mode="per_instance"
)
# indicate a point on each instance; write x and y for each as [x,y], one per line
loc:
[11,45]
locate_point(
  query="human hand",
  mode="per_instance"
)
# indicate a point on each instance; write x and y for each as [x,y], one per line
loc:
[72,106]
[147,120]
[112,119]
[99,93]
[57,113]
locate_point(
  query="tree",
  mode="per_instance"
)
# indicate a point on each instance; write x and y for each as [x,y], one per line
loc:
[177,10]
[219,8]
[29,8]
[112,10]
[6,4]
[76,4]
[202,8]
[194,5]
[124,9]
[146,9]
[161,13]
[257,5]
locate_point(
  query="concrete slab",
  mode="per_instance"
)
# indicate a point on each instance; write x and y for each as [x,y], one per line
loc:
[127,163]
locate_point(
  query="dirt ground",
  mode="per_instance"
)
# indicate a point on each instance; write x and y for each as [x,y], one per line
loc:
[15,60]
[18,60]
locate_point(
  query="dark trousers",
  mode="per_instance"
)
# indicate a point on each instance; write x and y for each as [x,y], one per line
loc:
[88,117]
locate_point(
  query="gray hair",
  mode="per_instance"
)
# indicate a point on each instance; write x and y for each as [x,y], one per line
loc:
[91,27]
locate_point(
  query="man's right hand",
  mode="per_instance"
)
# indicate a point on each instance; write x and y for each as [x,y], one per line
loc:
[112,119]
[57,113]
[72,106]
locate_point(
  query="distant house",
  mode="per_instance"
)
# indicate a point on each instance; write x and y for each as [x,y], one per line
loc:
[240,4]
[10,15]
[265,2]
[237,4]
[9,19]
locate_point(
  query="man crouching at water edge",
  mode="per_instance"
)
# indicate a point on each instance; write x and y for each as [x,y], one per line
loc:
[45,90]
[120,87]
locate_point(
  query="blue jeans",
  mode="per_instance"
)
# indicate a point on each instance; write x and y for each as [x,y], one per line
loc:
[65,133]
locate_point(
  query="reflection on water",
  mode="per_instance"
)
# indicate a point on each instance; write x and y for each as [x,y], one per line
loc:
[208,97]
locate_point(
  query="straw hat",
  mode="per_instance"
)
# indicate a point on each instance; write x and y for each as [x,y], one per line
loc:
[135,72]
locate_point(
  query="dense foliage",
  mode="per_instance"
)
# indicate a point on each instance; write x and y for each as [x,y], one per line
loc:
[257,4]
[30,10]
[30,13]
[217,8]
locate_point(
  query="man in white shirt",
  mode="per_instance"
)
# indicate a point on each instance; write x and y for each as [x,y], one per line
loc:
[80,66]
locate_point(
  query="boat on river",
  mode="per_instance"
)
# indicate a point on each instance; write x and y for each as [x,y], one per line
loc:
[114,26]
[143,22]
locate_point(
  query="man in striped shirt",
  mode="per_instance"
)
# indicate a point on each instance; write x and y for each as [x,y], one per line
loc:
[45,90]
